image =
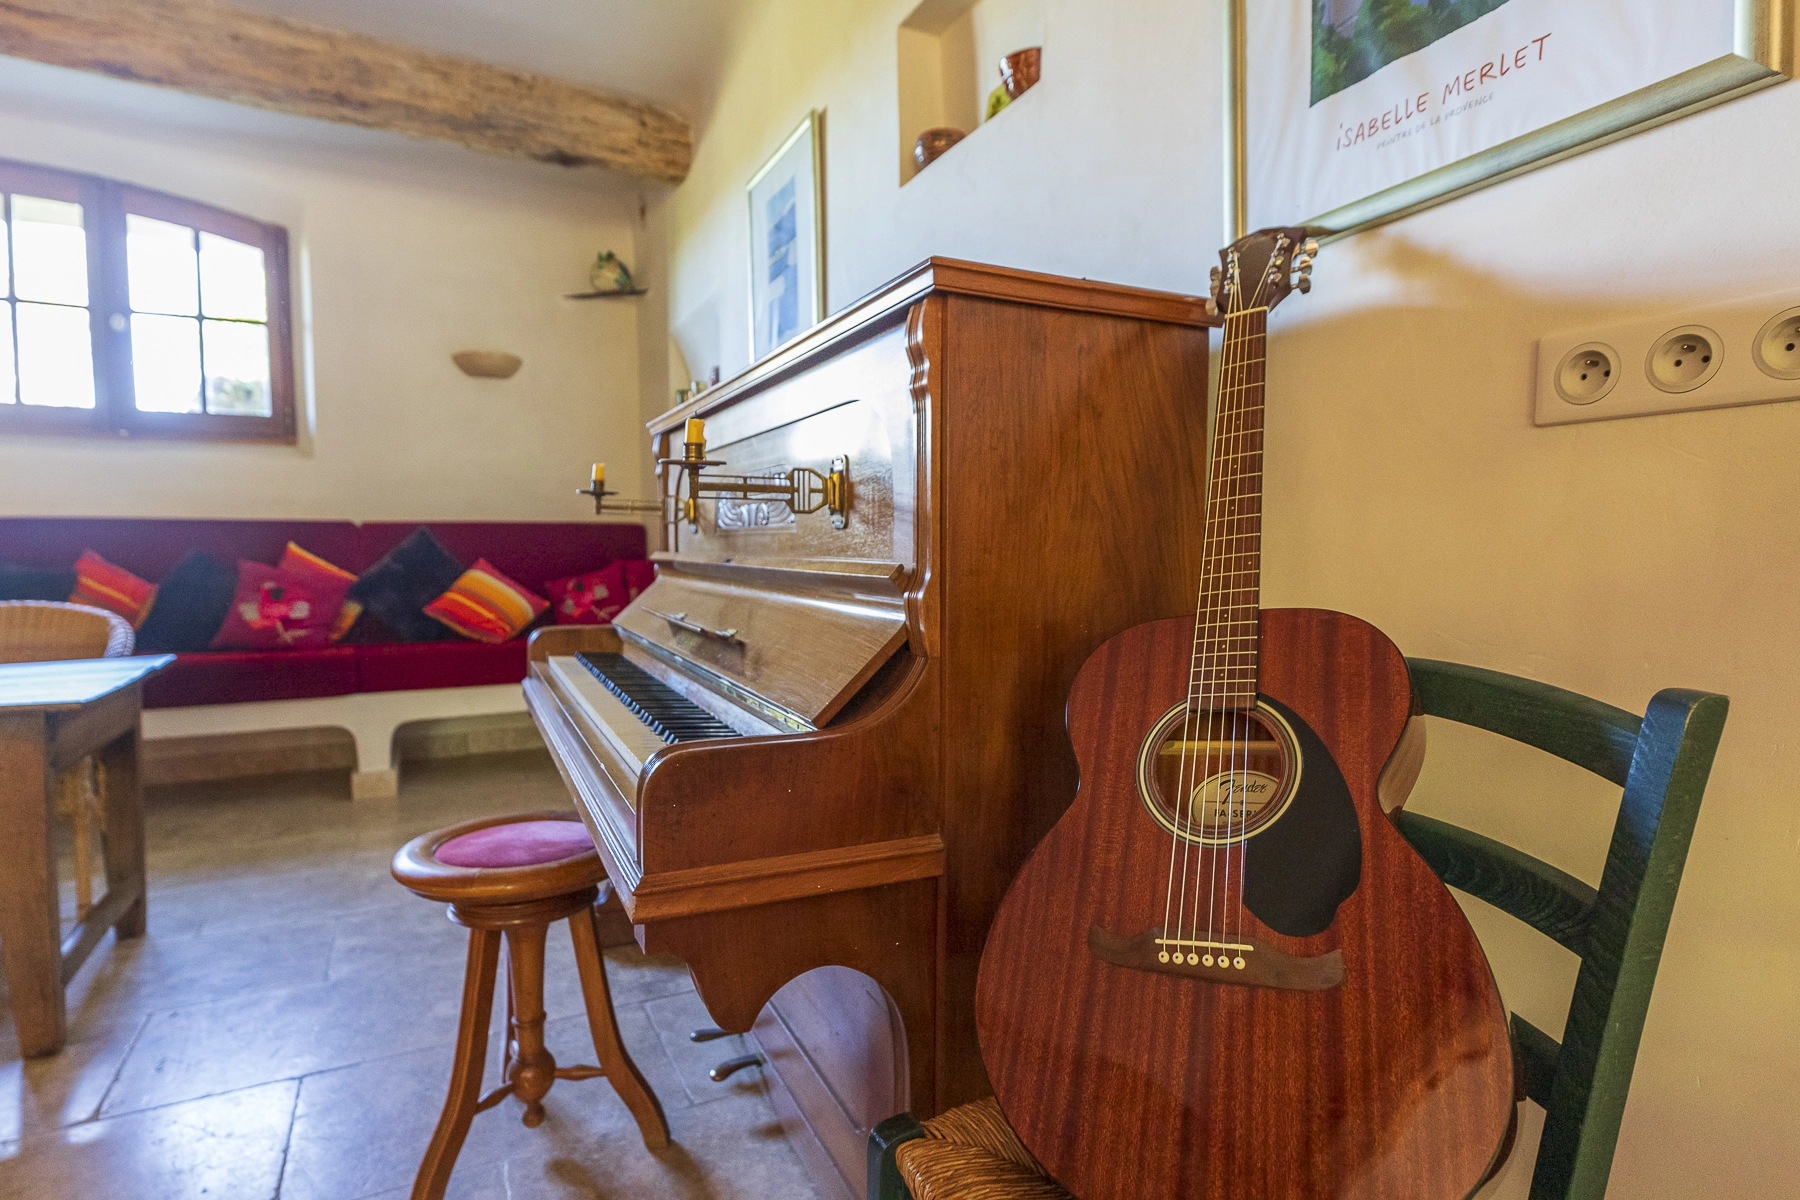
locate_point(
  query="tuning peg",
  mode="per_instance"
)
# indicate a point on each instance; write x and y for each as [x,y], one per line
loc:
[1212,307]
[1311,248]
[1304,284]
[1304,262]
[1217,278]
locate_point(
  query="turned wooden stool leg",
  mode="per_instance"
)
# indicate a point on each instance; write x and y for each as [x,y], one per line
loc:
[614,1060]
[533,1068]
[465,1077]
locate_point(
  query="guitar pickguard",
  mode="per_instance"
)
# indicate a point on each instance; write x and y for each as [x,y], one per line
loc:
[1301,868]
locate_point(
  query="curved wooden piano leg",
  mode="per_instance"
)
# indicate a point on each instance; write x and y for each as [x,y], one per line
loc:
[741,957]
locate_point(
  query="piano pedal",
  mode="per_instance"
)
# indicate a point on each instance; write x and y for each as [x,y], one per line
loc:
[732,1066]
[711,1034]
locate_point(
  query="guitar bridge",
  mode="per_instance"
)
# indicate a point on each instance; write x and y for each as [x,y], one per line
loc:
[1243,960]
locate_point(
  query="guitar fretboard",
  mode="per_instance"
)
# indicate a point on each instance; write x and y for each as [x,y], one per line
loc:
[1225,638]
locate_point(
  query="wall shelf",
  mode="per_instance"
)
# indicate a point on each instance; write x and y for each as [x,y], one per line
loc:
[603,295]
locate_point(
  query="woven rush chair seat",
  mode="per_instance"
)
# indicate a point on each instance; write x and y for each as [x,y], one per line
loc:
[507,879]
[971,1153]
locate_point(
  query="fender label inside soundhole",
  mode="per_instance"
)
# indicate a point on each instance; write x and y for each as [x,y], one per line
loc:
[1216,778]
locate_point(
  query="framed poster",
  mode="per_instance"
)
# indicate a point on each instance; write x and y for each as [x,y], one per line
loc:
[787,240]
[1348,113]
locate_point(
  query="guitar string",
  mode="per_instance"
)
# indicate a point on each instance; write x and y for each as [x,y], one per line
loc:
[1189,779]
[1225,582]
[1226,792]
[1229,383]
[1221,546]
[1217,517]
[1254,468]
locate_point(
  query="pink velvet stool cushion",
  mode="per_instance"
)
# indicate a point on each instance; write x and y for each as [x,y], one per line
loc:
[522,844]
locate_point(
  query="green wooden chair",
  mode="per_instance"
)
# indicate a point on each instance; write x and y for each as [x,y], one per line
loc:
[1662,761]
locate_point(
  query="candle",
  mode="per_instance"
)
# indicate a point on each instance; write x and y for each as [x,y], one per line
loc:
[599,475]
[696,430]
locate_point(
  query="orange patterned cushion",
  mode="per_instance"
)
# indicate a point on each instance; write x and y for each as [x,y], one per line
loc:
[299,561]
[487,606]
[101,585]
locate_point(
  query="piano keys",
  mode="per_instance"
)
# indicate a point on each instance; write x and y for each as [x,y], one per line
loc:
[866,721]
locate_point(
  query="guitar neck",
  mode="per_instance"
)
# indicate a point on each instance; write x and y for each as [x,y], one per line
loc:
[1225,646]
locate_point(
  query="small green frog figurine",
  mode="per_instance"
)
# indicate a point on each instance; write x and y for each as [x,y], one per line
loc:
[609,274]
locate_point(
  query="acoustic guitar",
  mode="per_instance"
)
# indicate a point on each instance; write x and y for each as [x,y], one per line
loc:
[1224,973]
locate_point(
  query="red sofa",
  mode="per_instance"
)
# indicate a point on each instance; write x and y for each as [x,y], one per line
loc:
[369,660]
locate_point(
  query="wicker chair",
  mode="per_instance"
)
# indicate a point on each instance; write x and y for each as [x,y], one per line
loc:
[45,631]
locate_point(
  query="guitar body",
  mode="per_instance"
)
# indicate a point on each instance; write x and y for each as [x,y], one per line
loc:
[1371,1061]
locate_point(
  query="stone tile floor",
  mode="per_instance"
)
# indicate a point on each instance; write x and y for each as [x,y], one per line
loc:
[284,1030]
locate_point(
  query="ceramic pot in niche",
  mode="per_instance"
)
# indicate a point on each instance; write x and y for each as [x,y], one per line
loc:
[933,142]
[1021,69]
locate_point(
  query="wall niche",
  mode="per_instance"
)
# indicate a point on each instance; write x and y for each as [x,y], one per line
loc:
[950,64]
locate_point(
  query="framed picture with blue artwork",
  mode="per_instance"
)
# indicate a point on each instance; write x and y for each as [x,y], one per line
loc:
[787,240]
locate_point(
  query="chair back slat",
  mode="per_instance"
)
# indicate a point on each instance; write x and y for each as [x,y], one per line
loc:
[1585,732]
[1662,762]
[1553,902]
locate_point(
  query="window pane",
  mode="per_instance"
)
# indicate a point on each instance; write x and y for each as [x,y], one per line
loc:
[160,260]
[56,356]
[8,385]
[232,282]
[237,369]
[165,363]
[49,251]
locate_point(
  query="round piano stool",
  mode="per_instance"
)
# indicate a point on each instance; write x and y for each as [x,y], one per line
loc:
[508,878]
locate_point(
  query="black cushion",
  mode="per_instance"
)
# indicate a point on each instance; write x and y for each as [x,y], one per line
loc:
[34,583]
[397,589]
[191,604]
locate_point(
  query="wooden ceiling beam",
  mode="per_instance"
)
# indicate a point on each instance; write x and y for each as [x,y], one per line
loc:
[311,71]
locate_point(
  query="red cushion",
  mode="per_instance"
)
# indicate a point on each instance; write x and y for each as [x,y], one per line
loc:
[520,844]
[280,610]
[485,606]
[100,584]
[640,573]
[301,561]
[591,599]
[238,676]
[409,666]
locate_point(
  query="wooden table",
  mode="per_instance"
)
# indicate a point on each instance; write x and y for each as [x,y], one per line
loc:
[53,715]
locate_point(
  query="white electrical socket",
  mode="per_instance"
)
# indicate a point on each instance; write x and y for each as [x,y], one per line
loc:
[1744,352]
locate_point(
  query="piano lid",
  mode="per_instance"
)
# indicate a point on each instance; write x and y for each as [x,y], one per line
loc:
[791,643]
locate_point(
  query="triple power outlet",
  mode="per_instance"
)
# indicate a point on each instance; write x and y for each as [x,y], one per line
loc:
[1745,352]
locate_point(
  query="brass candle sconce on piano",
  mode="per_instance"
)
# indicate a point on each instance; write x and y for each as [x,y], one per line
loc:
[802,489]
[602,504]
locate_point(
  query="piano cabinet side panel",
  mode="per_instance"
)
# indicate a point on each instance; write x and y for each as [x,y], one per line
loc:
[1073,460]
[741,958]
[835,1053]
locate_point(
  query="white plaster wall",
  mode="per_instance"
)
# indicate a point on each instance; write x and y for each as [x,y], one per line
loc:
[1406,482]
[401,255]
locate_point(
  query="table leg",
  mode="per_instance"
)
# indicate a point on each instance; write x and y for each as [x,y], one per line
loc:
[30,927]
[123,799]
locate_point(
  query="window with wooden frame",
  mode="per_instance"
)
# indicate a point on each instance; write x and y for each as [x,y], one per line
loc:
[129,313]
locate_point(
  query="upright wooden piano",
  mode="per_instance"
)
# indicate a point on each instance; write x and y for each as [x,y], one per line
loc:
[813,757]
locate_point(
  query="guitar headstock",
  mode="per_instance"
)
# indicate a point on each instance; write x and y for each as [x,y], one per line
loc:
[1260,269]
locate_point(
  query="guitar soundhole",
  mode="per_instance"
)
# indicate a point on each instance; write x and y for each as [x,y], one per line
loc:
[1217,777]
